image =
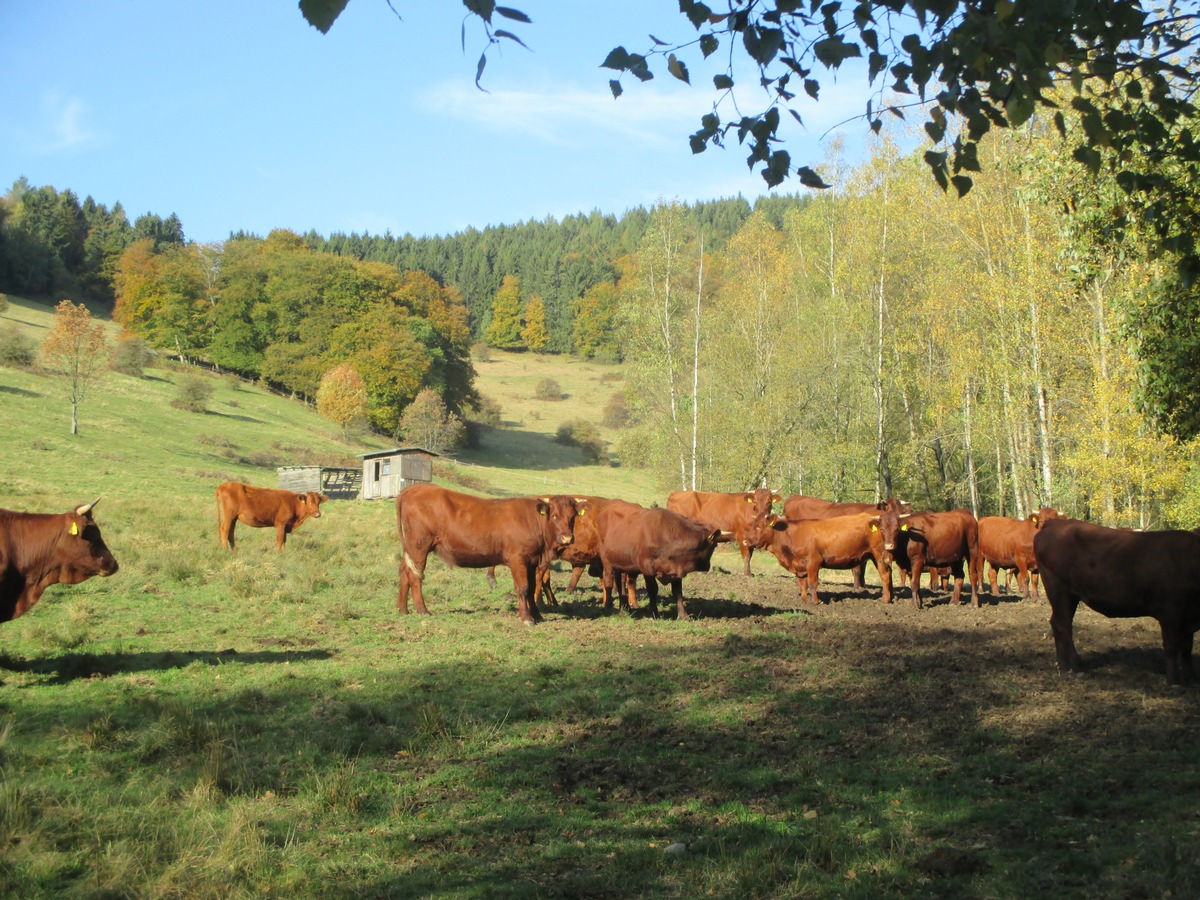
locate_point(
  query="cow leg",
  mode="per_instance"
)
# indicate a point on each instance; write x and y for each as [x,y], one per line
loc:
[281,533]
[631,582]
[1172,641]
[747,552]
[525,576]
[813,575]
[885,580]
[914,582]
[491,577]
[576,574]
[412,575]
[1033,576]
[856,573]
[607,584]
[544,588]
[1185,656]
[1062,615]
[1023,580]
[651,594]
[993,580]
[677,592]
[225,526]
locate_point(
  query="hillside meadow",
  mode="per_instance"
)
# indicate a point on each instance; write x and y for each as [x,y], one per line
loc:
[205,724]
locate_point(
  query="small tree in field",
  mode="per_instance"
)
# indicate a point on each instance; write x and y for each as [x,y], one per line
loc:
[534,334]
[75,350]
[427,423]
[342,396]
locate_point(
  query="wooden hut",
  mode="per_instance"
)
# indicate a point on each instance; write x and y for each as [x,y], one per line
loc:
[335,483]
[387,472]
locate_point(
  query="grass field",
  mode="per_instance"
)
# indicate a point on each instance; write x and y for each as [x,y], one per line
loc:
[204,724]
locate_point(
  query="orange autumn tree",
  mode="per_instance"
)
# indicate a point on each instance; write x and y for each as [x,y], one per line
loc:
[75,350]
[342,396]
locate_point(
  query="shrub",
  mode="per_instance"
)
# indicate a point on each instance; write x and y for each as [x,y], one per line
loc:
[616,413]
[485,411]
[584,435]
[482,352]
[131,356]
[3,303]
[548,389]
[16,350]
[193,394]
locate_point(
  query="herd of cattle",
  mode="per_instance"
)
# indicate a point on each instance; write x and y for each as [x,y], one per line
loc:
[1117,572]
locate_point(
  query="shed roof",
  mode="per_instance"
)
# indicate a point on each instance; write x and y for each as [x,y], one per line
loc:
[396,451]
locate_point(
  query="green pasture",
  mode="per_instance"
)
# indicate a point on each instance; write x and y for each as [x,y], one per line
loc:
[205,724]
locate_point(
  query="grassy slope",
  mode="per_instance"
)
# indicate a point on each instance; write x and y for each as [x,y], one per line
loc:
[212,725]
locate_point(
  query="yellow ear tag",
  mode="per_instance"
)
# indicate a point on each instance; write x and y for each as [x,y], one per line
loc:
[75,528]
[874,528]
[749,499]
[904,527]
[582,512]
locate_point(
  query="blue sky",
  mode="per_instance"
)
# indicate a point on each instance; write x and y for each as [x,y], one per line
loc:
[238,115]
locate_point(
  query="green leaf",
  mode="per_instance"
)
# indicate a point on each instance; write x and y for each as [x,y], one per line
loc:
[811,179]
[1088,157]
[481,8]
[697,13]
[812,87]
[708,45]
[962,184]
[832,51]
[618,58]
[501,33]
[515,14]
[321,14]
[676,67]
[722,82]
[479,69]
[615,87]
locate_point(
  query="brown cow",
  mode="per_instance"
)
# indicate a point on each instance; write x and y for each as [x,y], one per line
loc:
[921,540]
[263,508]
[799,506]
[523,533]
[41,549]
[1122,574]
[1007,544]
[582,553]
[731,514]
[805,546]
[655,543]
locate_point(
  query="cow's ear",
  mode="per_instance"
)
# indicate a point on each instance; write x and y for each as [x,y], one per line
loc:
[904,527]
[749,498]
[874,527]
[776,497]
[74,529]
[543,508]
[1034,518]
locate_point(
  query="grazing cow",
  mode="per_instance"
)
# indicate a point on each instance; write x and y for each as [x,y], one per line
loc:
[920,540]
[805,546]
[731,514]
[1007,544]
[523,533]
[1122,574]
[263,508]
[655,543]
[41,549]
[798,506]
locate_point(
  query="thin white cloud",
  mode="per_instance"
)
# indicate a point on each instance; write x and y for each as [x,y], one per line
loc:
[61,126]
[558,114]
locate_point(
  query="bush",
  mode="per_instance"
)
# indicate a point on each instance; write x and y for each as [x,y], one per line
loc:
[3,303]
[548,389]
[131,356]
[482,352]
[584,435]
[485,411]
[193,394]
[616,413]
[16,350]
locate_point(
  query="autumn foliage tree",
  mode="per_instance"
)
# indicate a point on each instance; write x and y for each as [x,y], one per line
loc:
[427,423]
[504,331]
[342,396]
[75,350]
[534,335]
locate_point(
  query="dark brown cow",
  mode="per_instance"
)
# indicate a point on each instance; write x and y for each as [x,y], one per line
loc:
[731,514]
[1122,574]
[1007,543]
[799,506]
[523,533]
[655,543]
[582,553]
[920,540]
[41,549]
[257,507]
[805,546]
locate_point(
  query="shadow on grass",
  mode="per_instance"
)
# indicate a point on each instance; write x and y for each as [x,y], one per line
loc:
[7,389]
[72,666]
[240,418]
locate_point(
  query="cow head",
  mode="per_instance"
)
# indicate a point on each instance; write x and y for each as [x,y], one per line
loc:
[758,535]
[891,524]
[81,550]
[559,512]
[312,503]
[1044,515]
